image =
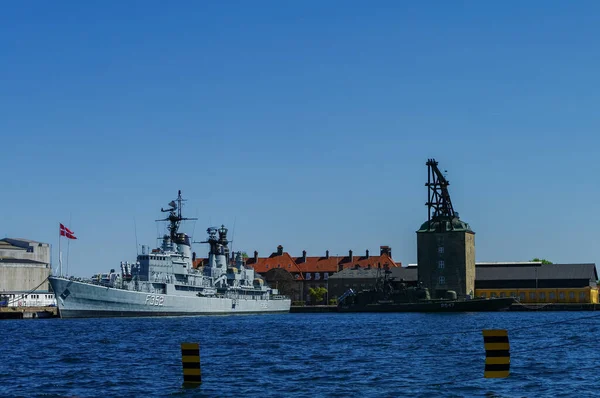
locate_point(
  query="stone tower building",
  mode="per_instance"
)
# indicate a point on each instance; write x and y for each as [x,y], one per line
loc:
[445,244]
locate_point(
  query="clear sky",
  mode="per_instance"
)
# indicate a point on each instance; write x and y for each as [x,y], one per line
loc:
[304,123]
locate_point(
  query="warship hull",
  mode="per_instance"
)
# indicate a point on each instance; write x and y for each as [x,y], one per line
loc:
[85,300]
[474,305]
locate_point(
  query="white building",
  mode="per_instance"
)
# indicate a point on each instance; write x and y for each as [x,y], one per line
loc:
[24,269]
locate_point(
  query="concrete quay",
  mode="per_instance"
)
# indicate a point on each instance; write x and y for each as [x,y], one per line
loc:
[28,312]
[555,307]
[313,308]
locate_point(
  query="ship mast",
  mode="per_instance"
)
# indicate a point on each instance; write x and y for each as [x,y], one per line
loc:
[175,217]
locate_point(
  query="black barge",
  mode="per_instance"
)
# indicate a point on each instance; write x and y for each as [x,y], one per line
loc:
[392,296]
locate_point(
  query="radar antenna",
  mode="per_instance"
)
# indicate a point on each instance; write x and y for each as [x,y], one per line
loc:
[217,239]
[175,218]
[438,203]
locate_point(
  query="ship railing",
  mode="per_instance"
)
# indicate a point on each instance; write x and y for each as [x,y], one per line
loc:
[279,297]
[348,292]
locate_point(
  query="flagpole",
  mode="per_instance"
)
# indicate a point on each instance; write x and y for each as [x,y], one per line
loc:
[68,246]
[59,255]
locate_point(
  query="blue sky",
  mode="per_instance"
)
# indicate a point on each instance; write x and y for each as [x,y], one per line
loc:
[306,124]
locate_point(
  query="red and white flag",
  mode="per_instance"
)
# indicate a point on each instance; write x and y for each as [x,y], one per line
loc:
[64,231]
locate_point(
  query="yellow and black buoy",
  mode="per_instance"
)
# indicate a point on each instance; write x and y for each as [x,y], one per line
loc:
[190,358]
[497,353]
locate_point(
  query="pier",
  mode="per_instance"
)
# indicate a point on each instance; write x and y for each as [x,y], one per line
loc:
[28,312]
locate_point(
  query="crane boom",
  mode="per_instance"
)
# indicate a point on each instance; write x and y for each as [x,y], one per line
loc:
[439,204]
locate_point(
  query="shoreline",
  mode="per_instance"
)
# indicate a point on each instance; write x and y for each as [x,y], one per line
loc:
[514,307]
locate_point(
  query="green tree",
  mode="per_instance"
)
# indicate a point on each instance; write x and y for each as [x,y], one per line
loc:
[244,255]
[317,294]
[542,260]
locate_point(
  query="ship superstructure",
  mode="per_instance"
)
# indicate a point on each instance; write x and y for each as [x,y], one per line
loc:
[163,282]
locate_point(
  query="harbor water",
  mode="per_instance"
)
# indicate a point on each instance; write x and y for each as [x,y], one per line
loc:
[301,355]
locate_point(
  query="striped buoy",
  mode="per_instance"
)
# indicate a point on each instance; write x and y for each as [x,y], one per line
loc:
[497,353]
[190,358]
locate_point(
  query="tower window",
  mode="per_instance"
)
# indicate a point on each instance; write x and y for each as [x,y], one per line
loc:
[441,249]
[441,264]
[442,280]
[440,241]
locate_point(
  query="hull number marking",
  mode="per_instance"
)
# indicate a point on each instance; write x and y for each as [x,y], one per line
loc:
[152,299]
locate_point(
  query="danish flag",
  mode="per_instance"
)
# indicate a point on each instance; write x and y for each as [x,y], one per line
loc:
[64,231]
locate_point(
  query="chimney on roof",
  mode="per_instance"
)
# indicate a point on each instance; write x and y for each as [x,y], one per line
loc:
[385,250]
[367,253]
[193,257]
[326,253]
[303,256]
[280,250]
[255,257]
[350,257]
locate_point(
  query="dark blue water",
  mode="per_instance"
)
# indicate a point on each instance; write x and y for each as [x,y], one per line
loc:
[300,355]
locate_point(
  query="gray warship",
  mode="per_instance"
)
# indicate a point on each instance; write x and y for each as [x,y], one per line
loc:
[163,282]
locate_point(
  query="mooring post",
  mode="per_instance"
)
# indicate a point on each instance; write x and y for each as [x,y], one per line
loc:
[190,358]
[497,353]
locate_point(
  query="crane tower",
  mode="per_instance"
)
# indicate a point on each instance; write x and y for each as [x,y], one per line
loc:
[445,243]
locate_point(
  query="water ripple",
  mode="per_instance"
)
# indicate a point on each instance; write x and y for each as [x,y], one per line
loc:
[298,355]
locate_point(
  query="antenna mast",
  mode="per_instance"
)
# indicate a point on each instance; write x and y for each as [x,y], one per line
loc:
[136,239]
[175,218]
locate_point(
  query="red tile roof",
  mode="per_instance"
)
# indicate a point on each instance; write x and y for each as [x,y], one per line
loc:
[297,265]
[284,261]
[200,262]
[372,261]
[318,264]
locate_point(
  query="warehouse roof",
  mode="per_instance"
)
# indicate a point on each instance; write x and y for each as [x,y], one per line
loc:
[406,273]
[4,244]
[10,260]
[20,242]
[501,271]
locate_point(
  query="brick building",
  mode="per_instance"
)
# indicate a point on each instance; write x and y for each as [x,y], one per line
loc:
[314,271]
